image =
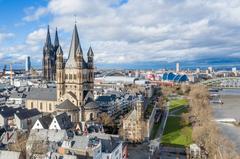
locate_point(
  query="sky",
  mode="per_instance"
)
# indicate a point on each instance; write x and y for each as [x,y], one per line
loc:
[132,33]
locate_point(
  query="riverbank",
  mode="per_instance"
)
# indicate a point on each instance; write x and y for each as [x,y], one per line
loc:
[230,109]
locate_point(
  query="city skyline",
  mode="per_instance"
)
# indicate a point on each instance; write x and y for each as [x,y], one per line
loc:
[125,32]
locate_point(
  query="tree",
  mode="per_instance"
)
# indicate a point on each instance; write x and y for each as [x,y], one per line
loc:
[205,131]
[105,119]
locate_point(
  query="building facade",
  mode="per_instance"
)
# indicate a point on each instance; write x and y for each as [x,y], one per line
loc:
[74,83]
[49,57]
[134,124]
[27,64]
[75,77]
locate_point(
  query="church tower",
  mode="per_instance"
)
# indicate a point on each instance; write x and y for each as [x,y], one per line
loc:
[75,77]
[90,69]
[49,57]
[60,72]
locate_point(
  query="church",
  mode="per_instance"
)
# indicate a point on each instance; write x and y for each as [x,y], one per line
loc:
[49,57]
[74,84]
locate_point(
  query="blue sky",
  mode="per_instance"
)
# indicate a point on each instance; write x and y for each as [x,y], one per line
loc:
[125,32]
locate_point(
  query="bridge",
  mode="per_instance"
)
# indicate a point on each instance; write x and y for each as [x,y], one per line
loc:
[224,82]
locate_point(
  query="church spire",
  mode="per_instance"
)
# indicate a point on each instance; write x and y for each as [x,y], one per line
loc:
[48,42]
[56,41]
[75,48]
[59,50]
[90,52]
[75,43]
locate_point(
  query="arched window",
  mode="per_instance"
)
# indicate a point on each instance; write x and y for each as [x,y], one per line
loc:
[91,116]
[50,106]
[41,106]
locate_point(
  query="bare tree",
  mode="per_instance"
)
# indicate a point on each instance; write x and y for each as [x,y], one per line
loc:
[105,119]
[205,131]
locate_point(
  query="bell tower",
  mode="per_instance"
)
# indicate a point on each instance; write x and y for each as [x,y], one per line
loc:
[60,73]
[90,69]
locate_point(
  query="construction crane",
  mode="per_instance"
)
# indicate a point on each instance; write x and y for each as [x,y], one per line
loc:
[10,68]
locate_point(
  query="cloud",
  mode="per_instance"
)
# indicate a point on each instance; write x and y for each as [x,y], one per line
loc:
[36,37]
[4,36]
[150,30]
[33,15]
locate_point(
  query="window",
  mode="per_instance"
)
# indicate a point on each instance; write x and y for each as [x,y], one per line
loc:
[66,76]
[75,77]
[70,76]
[31,105]
[50,106]
[41,106]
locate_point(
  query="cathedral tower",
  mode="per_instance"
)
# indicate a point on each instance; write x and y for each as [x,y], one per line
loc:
[49,57]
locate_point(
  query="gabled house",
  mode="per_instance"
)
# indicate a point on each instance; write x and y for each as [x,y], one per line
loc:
[7,116]
[8,137]
[24,119]
[61,121]
[43,122]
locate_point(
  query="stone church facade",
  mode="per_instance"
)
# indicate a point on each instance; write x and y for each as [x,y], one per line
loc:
[74,83]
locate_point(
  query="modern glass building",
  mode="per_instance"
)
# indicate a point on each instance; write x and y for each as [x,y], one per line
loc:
[172,77]
[28,64]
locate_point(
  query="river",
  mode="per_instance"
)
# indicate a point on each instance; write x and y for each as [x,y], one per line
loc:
[230,109]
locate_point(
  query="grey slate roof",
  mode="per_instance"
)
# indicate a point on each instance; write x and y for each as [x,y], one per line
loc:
[74,47]
[59,51]
[67,104]
[90,52]
[48,42]
[8,111]
[45,121]
[106,98]
[49,94]
[56,41]
[91,105]
[64,121]
[25,113]
[109,142]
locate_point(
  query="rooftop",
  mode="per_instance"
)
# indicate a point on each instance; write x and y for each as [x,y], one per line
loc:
[27,113]
[42,94]
[68,105]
